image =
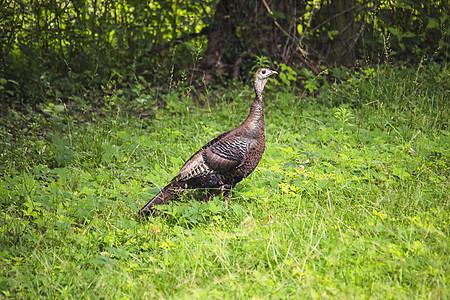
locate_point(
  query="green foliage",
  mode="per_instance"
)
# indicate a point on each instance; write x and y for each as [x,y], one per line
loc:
[349,200]
[54,50]
[407,30]
[423,33]
[51,49]
[261,62]
[287,75]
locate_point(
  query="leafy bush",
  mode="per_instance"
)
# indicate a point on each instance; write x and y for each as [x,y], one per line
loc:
[51,49]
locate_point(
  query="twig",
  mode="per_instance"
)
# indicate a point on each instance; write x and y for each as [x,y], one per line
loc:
[275,21]
[309,65]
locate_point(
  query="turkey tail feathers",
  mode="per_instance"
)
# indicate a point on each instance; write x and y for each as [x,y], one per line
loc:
[167,193]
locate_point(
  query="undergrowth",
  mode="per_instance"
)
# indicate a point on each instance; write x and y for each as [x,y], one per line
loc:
[350,199]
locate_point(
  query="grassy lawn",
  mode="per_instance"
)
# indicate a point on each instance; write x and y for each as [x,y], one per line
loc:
[350,200]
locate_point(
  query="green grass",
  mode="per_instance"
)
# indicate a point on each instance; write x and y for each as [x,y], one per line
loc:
[350,200]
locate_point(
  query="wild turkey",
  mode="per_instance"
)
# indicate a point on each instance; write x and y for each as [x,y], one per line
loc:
[223,162]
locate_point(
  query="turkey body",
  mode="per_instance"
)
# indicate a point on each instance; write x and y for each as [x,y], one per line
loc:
[224,161]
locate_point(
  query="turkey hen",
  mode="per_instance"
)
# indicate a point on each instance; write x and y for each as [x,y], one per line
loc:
[223,162]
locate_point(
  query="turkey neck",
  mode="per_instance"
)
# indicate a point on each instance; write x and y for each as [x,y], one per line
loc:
[255,120]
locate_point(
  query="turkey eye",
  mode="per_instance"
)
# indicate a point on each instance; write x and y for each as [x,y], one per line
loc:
[263,71]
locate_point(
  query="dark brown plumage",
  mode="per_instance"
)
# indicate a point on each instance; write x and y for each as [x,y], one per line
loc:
[223,162]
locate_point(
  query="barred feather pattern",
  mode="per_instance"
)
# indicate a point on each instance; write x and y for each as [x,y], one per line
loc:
[224,161]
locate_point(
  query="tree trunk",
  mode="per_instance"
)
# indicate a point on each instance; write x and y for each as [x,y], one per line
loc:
[242,29]
[342,46]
